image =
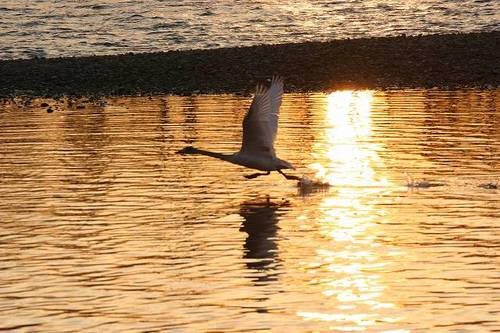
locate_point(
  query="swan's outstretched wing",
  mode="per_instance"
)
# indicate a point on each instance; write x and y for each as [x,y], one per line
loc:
[260,125]
[275,93]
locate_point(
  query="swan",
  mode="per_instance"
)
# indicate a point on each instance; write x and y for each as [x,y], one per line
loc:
[260,127]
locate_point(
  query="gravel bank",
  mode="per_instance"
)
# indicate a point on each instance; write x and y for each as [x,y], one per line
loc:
[443,61]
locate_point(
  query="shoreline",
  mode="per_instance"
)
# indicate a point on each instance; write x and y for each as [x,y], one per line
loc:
[451,61]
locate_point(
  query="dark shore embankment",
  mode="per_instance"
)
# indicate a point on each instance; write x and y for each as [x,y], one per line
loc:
[444,61]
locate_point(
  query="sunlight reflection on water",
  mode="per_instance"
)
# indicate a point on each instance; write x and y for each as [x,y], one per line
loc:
[106,228]
[348,218]
[348,147]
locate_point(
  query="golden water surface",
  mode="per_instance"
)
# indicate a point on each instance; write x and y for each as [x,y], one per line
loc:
[105,229]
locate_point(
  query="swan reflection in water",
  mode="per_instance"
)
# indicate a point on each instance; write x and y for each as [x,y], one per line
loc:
[261,248]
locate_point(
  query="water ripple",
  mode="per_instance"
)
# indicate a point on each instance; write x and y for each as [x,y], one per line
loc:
[39,25]
[105,228]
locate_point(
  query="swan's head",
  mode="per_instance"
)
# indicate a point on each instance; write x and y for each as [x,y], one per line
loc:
[187,150]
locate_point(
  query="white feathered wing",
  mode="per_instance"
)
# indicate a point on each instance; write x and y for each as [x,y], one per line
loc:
[260,125]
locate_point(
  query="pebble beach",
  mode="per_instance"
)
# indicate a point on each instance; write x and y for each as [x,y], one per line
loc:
[446,61]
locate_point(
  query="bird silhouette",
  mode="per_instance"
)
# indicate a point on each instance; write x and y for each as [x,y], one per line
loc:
[260,127]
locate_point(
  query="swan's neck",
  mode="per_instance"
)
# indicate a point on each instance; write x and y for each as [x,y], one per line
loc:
[220,156]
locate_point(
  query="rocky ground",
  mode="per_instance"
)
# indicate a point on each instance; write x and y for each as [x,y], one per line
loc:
[443,61]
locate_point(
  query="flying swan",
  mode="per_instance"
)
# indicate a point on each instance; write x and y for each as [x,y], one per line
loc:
[260,127]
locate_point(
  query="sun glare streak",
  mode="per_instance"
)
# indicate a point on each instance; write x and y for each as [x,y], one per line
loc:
[353,261]
[349,151]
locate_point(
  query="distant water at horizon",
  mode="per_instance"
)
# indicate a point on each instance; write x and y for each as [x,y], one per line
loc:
[69,28]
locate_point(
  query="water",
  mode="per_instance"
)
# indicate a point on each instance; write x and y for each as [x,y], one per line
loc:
[48,28]
[105,228]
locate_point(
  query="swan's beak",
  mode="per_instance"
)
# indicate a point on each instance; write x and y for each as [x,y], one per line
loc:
[186,150]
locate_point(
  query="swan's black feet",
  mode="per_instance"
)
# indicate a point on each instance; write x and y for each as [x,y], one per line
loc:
[255,175]
[289,177]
